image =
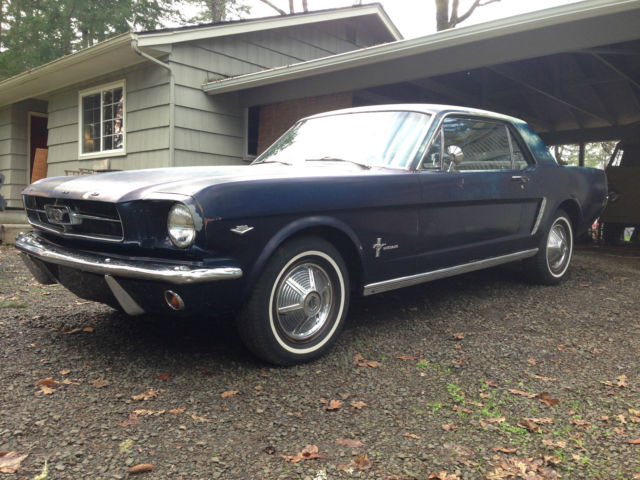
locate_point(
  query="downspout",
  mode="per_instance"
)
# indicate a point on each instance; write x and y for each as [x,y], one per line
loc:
[172,96]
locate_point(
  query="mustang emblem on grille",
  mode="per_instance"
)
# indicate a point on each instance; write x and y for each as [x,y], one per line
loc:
[61,215]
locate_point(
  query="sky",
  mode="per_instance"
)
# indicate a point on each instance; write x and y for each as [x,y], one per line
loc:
[417,17]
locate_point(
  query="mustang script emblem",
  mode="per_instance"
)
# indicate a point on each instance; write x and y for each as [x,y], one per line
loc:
[379,246]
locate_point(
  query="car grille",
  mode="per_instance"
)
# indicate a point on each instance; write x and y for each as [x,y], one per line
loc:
[80,218]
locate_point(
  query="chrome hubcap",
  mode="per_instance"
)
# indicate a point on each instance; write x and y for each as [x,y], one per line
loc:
[558,248]
[304,301]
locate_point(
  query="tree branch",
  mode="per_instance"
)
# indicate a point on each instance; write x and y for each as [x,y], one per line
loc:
[476,4]
[276,8]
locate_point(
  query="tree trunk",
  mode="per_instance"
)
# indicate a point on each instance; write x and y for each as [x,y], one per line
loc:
[442,14]
[305,6]
[291,8]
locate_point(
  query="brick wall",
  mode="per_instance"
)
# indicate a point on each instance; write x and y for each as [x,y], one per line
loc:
[276,118]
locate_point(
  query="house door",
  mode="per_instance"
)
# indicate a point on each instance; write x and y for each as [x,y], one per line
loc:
[38,134]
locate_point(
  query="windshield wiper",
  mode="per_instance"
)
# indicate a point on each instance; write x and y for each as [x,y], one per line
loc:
[335,159]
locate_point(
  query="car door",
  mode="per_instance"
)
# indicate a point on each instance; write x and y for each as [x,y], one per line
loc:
[477,200]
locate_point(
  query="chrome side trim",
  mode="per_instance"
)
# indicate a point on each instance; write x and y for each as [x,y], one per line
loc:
[34,245]
[128,304]
[401,282]
[536,225]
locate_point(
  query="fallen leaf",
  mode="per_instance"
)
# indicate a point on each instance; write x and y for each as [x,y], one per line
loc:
[457,336]
[344,396]
[99,382]
[349,442]
[164,376]
[496,419]
[443,476]
[529,425]
[504,449]
[141,468]
[547,400]
[545,379]
[457,408]
[229,393]
[307,453]
[580,423]
[362,462]
[411,435]
[143,412]
[562,347]
[619,430]
[67,381]
[87,329]
[522,394]
[10,461]
[448,427]
[46,390]
[407,357]
[65,372]
[332,405]
[200,419]
[47,382]
[621,418]
[541,421]
[622,381]
[555,444]
[369,363]
[148,395]
[177,410]
[490,383]
[532,361]
[358,404]
[635,442]
[552,459]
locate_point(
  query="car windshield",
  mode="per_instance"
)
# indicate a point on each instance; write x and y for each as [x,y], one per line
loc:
[370,139]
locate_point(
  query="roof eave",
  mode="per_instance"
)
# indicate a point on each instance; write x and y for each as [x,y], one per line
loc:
[213,31]
[448,38]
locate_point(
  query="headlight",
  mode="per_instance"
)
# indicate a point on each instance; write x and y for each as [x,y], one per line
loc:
[182,231]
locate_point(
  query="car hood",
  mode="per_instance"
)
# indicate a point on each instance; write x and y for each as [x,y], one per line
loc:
[186,181]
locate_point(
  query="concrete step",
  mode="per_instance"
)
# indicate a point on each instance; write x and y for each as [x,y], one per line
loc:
[8,231]
[13,216]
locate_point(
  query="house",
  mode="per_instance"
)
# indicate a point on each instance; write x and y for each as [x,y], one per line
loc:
[137,100]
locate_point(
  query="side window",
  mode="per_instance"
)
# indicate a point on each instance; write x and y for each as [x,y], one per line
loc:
[433,158]
[475,145]
[519,160]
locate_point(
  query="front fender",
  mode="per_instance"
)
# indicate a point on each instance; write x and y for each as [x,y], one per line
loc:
[323,226]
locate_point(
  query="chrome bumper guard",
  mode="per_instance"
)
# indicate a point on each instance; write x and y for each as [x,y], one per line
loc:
[38,247]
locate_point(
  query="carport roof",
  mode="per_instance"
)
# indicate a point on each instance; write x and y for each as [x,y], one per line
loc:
[551,67]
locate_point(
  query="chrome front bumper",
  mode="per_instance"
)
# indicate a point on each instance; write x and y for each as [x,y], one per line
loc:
[38,247]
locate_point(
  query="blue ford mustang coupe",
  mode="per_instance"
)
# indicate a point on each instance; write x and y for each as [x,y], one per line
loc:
[357,201]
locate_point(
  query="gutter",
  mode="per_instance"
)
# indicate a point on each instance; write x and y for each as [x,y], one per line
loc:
[172,96]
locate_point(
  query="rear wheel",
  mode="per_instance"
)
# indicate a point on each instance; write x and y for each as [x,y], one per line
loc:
[550,265]
[299,304]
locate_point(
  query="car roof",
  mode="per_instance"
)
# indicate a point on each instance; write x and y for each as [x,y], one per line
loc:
[429,108]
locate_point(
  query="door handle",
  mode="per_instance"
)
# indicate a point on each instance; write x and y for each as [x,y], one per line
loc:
[520,178]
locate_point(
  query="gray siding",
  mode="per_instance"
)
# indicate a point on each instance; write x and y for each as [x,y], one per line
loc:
[147,123]
[14,158]
[210,130]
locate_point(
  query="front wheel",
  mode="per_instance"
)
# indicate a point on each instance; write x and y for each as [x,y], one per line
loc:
[298,306]
[549,266]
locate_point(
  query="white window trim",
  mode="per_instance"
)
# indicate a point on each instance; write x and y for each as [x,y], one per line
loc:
[89,91]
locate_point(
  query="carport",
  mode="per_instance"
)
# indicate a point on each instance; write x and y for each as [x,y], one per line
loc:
[572,72]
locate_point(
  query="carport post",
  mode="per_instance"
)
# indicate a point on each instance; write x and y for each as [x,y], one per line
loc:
[581,155]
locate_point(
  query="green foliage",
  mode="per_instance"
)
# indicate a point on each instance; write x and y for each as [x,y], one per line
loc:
[217,10]
[596,154]
[33,32]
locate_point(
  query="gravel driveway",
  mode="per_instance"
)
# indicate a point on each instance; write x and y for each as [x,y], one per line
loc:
[480,376]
